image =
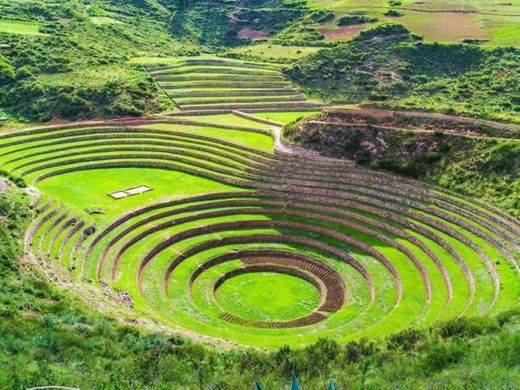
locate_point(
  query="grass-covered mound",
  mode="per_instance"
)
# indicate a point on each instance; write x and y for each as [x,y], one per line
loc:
[389,66]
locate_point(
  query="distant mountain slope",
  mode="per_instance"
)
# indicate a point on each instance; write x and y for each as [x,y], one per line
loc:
[76,64]
[220,23]
[388,66]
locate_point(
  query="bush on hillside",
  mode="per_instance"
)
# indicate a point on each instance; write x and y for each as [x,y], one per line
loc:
[393,13]
[467,327]
[321,16]
[441,356]
[130,92]
[300,35]
[7,72]
[384,31]
[352,20]
[406,339]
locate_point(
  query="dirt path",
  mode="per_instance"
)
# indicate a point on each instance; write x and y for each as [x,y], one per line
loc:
[414,130]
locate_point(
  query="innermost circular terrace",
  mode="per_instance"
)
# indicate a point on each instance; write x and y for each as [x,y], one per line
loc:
[267,296]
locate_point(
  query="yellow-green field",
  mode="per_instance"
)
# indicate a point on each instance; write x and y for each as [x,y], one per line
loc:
[495,22]
[19,27]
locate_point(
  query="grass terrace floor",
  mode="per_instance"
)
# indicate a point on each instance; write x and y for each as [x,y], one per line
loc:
[216,85]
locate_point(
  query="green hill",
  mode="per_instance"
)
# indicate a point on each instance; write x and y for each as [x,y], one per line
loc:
[208,194]
[390,67]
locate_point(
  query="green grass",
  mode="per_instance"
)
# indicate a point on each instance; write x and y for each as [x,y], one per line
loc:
[90,189]
[231,119]
[104,20]
[20,27]
[284,117]
[197,310]
[179,60]
[231,76]
[256,141]
[226,99]
[268,297]
[45,335]
[92,78]
[369,218]
[272,52]
[504,30]
[60,326]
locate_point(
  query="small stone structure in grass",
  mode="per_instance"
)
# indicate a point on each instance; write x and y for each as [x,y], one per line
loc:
[129,192]
[3,186]
[54,388]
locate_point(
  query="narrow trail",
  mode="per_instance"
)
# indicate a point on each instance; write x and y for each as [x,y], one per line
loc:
[281,147]
[414,130]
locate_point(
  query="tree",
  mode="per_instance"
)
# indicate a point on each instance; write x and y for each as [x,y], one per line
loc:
[321,356]
[7,72]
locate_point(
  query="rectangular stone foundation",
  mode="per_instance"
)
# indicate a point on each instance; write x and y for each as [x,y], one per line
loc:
[129,192]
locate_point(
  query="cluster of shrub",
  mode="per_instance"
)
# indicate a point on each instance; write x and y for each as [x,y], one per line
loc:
[354,19]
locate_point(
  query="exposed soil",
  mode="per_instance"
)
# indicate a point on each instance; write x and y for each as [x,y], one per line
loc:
[341,33]
[249,33]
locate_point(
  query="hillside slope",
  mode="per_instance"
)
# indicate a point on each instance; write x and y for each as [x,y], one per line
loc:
[76,64]
[474,158]
[388,66]
[218,24]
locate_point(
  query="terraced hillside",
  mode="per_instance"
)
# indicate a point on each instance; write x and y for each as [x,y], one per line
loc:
[242,241]
[218,85]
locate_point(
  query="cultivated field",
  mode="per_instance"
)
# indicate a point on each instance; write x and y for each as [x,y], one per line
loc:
[243,239]
[495,22]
